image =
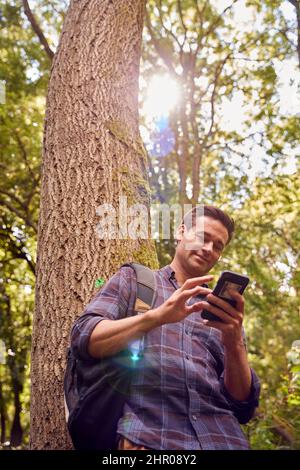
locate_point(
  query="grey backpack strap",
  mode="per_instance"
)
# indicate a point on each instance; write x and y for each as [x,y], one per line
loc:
[145,299]
[146,287]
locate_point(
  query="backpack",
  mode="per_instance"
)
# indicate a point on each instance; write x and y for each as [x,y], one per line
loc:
[95,390]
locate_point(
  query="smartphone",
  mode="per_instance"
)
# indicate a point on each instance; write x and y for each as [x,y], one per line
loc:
[227,280]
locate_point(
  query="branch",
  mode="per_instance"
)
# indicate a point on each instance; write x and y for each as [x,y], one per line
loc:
[168,31]
[25,218]
[166,59]
[200,15]
[237,152]
[212,100]
[216,22]
[16,250]
[184,157]
[24,155]
[14,197]
[295,3]
[65,6]
[251,42]
[235,141]
[198,149]
[212,26]
[175,127]
[250,60]
[34,190]
[179,6]
[36,28]
[23,206]
[283,235]
[298,29]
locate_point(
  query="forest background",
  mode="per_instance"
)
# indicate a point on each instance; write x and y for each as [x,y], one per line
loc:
[219,117]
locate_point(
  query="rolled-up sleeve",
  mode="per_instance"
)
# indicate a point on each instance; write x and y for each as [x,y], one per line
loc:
[112,302]
[243,410]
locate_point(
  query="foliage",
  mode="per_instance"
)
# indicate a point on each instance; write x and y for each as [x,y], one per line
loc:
[218,60]
[24,70]
[266,246]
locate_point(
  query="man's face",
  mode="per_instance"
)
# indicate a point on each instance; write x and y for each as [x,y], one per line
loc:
[200,247]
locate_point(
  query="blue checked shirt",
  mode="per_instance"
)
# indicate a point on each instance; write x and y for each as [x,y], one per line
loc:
[178,400]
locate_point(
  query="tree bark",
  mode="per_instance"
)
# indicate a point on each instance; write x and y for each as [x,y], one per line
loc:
[184,155]
[15,363]
[16,432]
[92,154]
[3,416]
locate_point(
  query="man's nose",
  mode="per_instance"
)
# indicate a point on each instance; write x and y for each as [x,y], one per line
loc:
[208,246]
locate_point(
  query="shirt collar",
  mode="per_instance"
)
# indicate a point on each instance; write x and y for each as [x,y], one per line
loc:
[169,273]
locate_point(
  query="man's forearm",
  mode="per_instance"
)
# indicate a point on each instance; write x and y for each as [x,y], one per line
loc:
[111,336]
[237,375]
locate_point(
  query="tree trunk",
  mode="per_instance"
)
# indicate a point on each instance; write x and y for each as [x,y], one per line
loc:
[184,155]
[16,432]
[3,416]
[92,154]
[15,363]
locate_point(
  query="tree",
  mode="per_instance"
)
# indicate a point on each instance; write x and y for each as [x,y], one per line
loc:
[16,305]
[205,47]
[262,246]
[92,154]
[296,4]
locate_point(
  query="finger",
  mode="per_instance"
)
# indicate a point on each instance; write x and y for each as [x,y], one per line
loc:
[225,317]
[222,304]
[240,301]
[214,324]
[194,308]
[196,290]
[189,283]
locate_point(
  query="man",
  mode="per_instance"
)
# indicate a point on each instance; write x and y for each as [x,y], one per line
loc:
[195,385]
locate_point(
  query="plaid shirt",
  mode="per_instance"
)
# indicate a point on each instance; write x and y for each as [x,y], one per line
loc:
[178,400]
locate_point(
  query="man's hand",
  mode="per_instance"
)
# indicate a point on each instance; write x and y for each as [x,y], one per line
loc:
[237,373]
[232,318]
[175,308]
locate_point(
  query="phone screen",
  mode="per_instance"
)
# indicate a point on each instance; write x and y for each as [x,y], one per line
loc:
[227,281]
[226,287]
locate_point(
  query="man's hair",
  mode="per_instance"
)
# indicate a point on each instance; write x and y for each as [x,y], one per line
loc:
[213,212]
